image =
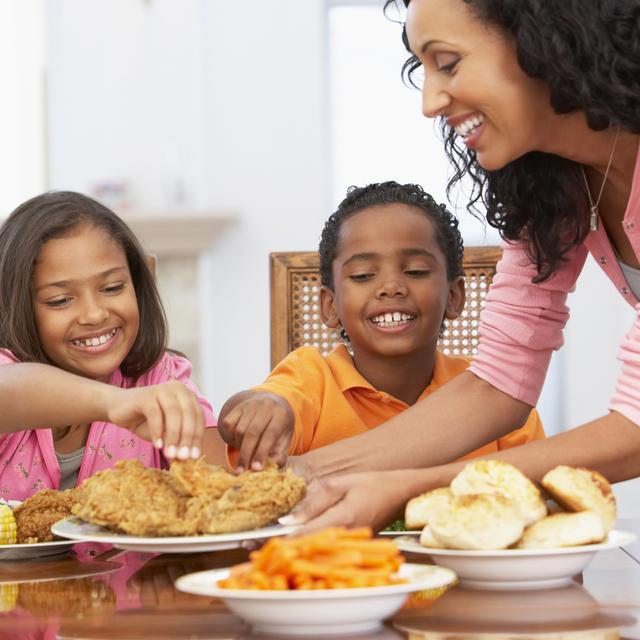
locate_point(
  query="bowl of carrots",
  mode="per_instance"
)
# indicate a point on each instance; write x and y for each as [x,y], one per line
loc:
[334,581]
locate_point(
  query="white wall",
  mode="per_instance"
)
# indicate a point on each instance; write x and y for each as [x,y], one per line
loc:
[266,153]
[125,98]
[22,122]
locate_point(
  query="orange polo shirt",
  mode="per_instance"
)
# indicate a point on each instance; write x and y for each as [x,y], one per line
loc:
[332,401]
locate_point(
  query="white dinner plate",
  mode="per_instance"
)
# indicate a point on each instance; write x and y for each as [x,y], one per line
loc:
[78,530]
[517,568]
[25,551]
[321,611]
[395,534]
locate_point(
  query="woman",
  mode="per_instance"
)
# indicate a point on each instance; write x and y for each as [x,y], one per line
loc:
[540,105]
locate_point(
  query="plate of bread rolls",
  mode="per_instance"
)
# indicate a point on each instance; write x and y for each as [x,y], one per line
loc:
[498,530]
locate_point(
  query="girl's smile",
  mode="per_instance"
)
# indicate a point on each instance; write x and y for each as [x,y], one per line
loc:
[96,343]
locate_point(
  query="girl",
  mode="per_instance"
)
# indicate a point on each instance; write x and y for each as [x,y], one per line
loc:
[83,349]
[539,101]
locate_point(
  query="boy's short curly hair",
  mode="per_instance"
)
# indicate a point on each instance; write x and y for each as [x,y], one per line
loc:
[381,193]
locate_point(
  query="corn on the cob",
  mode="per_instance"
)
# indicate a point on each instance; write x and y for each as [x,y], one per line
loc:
[8,596]
[8,529]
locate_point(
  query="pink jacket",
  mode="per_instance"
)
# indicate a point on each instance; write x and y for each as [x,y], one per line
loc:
[522,322]
[28,461]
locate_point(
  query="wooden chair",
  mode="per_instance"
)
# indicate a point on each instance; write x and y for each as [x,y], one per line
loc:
[295,318]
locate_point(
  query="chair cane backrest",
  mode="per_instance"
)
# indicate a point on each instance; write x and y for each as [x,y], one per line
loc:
[295,294]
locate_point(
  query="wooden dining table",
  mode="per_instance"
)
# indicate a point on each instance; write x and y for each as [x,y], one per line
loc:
[93,594]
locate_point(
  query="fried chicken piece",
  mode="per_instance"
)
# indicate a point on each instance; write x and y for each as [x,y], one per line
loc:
[259,499]
[190,499]
[197,478]
[134,499]
[36,514]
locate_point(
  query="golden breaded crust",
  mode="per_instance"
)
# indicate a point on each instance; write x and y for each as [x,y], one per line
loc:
[480,521]
[498,477]
[563,530]
[259,499]
[579,489]
[420,510]
[36,514]
[191,499]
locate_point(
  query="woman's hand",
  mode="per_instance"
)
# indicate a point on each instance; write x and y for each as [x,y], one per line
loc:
[168,414]
[260,425]
[372,499]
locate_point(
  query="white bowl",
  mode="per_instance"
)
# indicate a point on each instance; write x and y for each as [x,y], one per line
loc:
[517,568]
[317,612]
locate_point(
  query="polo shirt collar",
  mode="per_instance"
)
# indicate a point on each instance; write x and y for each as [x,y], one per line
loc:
[348,377]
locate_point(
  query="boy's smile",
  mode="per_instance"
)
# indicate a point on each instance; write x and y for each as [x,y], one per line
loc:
[85,303]
[390,288]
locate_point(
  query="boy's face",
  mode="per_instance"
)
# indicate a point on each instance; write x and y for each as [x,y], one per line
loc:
[391,291]
[85,304]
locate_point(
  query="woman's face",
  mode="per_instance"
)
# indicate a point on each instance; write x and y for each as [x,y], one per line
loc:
[473,80]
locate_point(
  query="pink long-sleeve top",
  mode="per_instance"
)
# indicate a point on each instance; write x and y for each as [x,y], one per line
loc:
[28,460]
[522,322]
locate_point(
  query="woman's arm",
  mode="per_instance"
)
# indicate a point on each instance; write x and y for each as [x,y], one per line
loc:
[461,416]
[610,445]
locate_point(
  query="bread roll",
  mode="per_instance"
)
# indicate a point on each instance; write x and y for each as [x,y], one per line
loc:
[427,539]
[496,476]
[563,530]
[420,510]
[578,489]
[481,521]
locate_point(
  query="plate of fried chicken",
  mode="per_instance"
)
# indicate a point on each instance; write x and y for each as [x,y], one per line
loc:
[193,506]
[33,520]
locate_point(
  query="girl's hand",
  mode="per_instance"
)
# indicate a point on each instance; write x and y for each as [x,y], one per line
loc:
[167,414]
[372,499]
[260,426]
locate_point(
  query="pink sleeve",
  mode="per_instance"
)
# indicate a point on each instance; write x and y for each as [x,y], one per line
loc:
[6,357]
[522,323]
[626,398]
[175,367]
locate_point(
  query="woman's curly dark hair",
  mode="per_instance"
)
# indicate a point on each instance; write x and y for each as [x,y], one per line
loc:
[588,54]
[381,193]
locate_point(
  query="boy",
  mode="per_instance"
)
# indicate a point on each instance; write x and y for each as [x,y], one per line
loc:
[391,274]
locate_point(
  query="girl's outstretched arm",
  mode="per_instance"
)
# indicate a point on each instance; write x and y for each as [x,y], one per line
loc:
[37,395]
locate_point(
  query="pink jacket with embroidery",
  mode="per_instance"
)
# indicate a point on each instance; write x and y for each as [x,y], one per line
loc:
[522,322]
[28,461]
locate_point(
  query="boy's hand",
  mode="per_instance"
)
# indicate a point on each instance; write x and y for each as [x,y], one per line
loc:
[260,425]
[168,414]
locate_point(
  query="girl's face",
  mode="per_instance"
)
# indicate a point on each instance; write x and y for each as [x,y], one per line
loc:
[391,291]
[473,80]
[85,303]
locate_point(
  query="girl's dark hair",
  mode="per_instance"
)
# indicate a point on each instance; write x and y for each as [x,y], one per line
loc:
[55,215]
[359,198]
[588,54]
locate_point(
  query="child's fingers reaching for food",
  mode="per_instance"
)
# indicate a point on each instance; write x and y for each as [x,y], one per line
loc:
[260,426]
[168,414]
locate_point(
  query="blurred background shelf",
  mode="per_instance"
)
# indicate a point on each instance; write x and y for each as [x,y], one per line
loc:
[178,232]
